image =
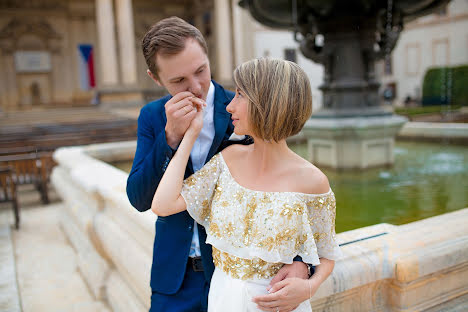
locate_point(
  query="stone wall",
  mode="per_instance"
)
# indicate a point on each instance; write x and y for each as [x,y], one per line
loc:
[420,266]
[430,41]
[40,57]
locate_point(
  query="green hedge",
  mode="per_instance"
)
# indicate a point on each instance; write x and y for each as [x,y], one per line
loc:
[446,86]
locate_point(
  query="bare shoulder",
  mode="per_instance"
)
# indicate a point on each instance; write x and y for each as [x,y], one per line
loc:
[311,179]
[234,152]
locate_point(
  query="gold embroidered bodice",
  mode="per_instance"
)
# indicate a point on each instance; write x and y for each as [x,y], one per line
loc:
[257,228]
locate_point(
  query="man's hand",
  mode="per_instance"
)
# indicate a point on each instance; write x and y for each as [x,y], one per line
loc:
[296,270]
[179,112]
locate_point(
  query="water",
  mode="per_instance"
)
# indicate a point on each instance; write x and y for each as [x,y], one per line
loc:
[426,180]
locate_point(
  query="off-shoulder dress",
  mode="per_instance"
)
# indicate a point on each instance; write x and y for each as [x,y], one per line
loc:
[254,233]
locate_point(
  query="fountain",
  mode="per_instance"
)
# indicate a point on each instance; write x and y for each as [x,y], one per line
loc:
[419,266]
[354,130]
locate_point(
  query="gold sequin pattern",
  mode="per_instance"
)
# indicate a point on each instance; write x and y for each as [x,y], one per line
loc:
[283,224]
[244,269]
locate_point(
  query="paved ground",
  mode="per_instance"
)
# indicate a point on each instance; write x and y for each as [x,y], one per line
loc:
[38,269]
[9,298]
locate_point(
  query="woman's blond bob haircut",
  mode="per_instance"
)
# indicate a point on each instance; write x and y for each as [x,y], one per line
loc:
[279,95]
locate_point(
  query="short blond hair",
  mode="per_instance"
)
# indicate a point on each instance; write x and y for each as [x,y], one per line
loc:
[279,94]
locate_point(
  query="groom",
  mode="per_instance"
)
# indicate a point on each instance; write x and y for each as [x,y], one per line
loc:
[176,55]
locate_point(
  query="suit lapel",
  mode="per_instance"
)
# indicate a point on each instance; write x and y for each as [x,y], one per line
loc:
[221,119]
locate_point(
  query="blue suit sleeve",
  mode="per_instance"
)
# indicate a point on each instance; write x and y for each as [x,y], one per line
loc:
[152,156]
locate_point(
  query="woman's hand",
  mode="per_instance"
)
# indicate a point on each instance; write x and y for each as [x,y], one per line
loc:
[179,114]
[197,123]
[167,199]
[286,295]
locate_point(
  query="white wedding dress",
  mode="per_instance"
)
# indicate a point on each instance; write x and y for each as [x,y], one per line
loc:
[254,233]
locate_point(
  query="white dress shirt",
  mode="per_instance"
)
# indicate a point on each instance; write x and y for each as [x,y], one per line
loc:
[199,152]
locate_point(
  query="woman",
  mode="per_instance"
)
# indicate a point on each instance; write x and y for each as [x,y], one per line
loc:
[261,204]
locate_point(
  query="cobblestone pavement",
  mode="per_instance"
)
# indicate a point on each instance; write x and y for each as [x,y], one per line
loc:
[47,276]
[9,296]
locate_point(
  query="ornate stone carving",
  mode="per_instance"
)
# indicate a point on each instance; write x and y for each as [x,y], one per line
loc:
[16,28]
[33,4]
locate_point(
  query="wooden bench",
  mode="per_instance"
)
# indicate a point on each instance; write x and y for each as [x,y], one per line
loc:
[49,138]
[26,169]
[51,141]
[46,163]
[5,151]
[8,192]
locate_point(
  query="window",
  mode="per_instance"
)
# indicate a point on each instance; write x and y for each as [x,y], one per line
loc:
[440,55]
[413,58]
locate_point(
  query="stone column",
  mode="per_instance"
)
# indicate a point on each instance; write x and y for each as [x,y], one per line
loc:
[243,38]
[3,82]
[107,46]
[223,41]
[10,98]
[126,33]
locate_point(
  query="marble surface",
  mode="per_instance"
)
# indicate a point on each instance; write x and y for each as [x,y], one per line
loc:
[44,264]
[412,267]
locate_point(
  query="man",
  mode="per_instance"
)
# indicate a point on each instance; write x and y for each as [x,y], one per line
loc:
[176,55]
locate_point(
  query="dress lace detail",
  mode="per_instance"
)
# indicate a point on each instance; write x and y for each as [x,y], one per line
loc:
[270,226]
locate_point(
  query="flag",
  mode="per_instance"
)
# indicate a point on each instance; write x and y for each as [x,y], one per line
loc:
[86,64]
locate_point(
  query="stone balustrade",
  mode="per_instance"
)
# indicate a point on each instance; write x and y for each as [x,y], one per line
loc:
[420,266]
[435,131]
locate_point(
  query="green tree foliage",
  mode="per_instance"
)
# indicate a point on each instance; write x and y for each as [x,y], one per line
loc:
[446,86]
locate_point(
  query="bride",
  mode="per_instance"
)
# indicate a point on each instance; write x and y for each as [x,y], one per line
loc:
[262,204]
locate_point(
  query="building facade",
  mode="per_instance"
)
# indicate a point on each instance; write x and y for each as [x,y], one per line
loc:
[56,53]
[435,40]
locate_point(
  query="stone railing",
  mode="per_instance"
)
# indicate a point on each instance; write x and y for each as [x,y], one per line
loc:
[435,132]
[421,266]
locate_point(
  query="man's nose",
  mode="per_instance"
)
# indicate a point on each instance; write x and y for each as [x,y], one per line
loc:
[195,87]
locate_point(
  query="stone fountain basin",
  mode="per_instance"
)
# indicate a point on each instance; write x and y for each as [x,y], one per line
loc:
[415,266]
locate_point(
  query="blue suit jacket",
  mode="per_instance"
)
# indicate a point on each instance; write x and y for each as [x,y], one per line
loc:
[173,233]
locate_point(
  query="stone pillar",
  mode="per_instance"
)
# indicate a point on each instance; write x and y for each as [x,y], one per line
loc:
[11,99]
[242,25]
[3,83]
[223,41]
[126,33]
[8,85]
[107,46]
